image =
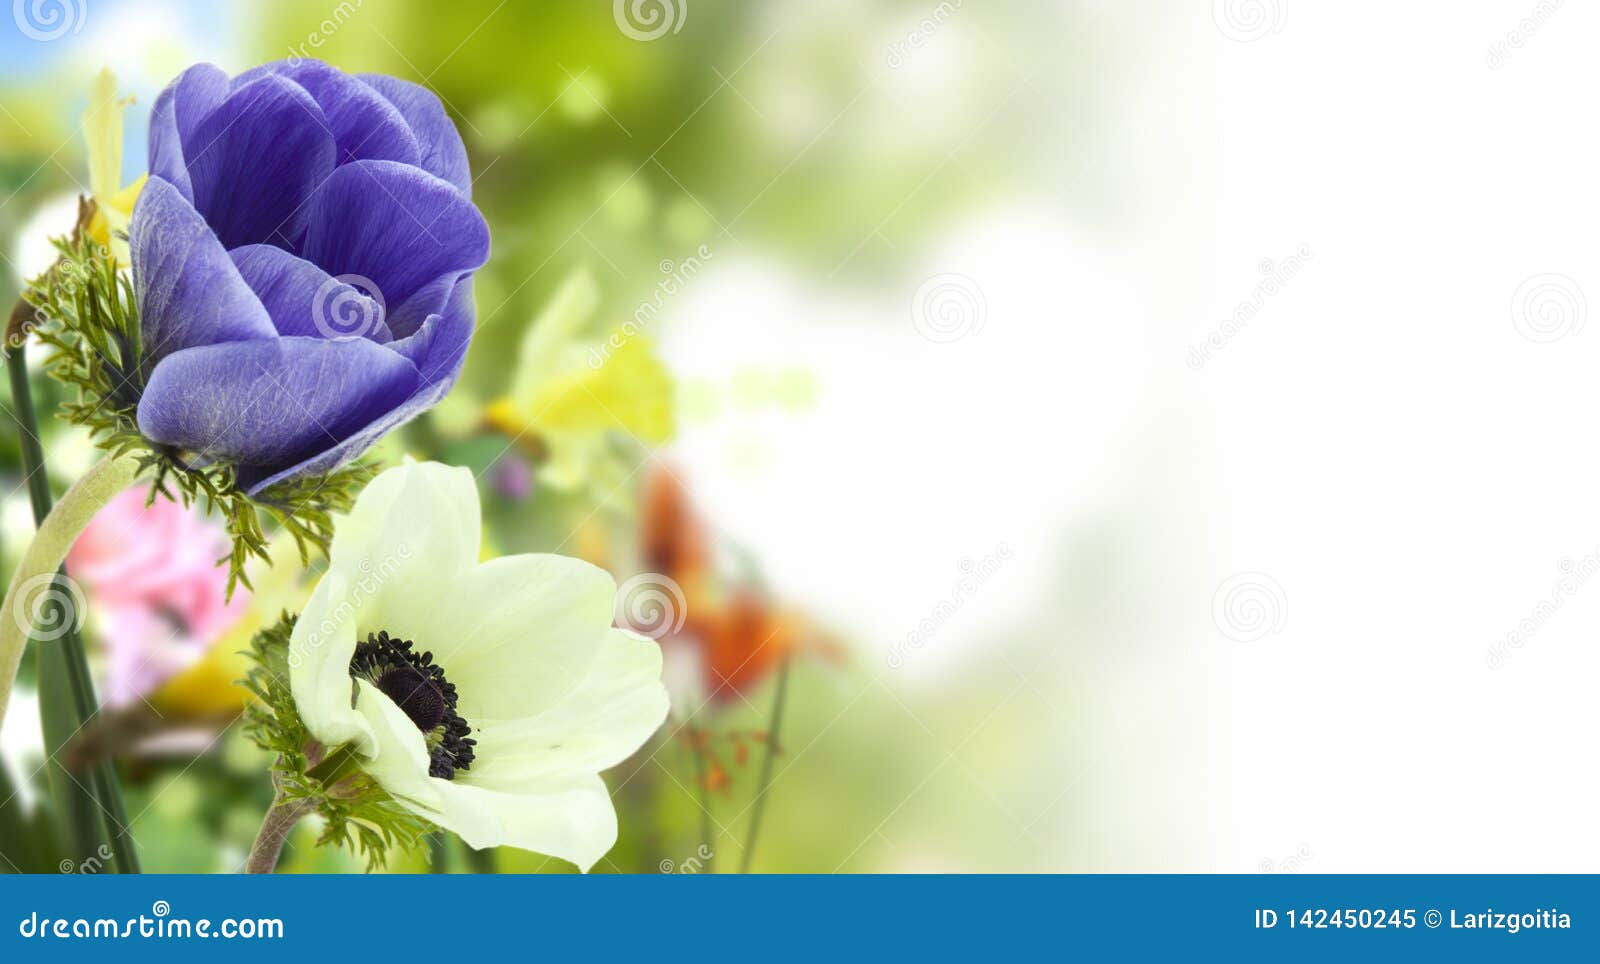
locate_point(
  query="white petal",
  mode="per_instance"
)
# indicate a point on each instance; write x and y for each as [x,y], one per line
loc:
[320,648]
[398,757]
[617,704]
[553,693]
[411,532]
[571,818]
[516,635]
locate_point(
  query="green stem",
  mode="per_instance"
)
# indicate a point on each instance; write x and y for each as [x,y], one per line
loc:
[703,785]
[760,804]
[280,819]
[58,529]
[67,700]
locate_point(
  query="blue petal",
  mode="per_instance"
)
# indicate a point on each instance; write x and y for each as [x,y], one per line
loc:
[188,289]
[427,300]
[305,300]
[439,345]
[443,154]
[268,405]
[437,349]
[178,111]
[365,125]
[396,225]
[256,161]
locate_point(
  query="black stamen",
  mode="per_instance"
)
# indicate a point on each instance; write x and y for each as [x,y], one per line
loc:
[412,692]
[418,686]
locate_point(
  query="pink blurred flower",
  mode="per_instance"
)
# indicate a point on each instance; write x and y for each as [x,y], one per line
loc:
[154,590]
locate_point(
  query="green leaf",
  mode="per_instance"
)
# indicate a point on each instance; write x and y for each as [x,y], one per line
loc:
[90,801]
[33,840]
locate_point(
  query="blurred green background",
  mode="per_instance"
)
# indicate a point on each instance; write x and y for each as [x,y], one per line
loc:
[874,501]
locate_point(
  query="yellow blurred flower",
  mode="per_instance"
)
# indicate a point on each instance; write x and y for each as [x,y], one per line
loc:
[102,134]
[572,392]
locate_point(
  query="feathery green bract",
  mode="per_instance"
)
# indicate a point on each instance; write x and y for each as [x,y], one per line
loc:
[360,815]
[85,312]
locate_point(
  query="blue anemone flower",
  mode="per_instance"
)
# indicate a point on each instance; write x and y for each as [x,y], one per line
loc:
[302,260]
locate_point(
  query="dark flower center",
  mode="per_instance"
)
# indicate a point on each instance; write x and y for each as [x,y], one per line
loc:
[415,695]
[419,687]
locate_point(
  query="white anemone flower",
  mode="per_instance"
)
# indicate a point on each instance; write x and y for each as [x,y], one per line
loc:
[484,697]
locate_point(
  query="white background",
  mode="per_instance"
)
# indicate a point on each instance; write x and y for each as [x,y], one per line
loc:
[1381,440]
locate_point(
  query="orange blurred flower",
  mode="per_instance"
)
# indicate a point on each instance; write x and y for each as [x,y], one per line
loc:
[739,633]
